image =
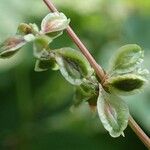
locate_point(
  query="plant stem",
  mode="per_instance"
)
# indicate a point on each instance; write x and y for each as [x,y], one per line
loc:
[100,73]
[139,132]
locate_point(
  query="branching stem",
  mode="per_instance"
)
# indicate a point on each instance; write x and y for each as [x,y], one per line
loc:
[100,73]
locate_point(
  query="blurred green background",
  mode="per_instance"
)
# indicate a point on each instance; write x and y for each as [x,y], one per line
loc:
[35,107]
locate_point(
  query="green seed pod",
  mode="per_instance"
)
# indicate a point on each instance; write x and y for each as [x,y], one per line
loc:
[11,45]
[53,24]
[24,29]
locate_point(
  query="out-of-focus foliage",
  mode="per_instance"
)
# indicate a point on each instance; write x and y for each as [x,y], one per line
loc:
[34,107]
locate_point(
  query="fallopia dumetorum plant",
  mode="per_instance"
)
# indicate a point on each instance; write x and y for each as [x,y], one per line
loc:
[124,77]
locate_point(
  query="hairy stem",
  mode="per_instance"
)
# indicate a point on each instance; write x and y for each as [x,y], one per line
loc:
[100,73]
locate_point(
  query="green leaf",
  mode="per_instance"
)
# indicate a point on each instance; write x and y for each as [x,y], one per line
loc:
[127,59]
[54,23]
[11,45]
[73,65]
[44,65]
[113,113]
[126,84]
[40,46]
